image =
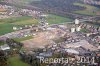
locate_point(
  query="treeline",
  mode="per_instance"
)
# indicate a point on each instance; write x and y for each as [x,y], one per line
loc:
[5,54]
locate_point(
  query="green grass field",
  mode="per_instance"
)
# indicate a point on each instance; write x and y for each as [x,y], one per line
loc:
[5,28]
[6,25]
[54,19]
[15,61]
[88,11]
[26,22]
[19,20]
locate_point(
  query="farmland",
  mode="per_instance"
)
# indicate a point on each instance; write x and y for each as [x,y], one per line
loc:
[89,10]
[55,19]
[6,25]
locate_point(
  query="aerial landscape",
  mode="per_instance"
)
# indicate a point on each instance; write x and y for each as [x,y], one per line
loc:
[49,32]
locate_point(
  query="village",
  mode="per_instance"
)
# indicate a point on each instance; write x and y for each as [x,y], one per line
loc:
[73,39]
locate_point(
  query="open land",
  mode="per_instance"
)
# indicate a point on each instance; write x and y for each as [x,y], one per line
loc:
[6,25]
[89,10]
[41,39]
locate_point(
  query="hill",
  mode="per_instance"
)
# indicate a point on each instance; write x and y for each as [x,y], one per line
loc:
[61,5]
[66,7]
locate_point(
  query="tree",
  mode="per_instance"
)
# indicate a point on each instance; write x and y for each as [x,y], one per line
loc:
[3,59]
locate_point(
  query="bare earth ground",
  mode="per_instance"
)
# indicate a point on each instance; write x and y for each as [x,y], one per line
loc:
[40,40]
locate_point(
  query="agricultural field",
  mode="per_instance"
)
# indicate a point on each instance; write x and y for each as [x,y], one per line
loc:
[16,61]
[55,19]
[6,25]
[24,2]
[90,10]
[5,28]
[19,20]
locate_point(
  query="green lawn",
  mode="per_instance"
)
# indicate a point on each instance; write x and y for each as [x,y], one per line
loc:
[15,61]
[88,11]
[54,19]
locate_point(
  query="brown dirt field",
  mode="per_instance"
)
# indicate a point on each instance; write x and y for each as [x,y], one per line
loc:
[42,39]
[39,41]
